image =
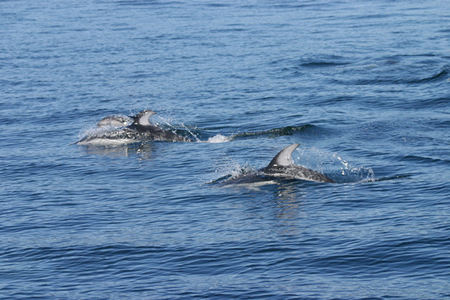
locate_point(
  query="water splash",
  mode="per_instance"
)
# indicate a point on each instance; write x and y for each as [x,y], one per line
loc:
[333,165]
[353,173]
[227,169]
[219,139]
[182,125]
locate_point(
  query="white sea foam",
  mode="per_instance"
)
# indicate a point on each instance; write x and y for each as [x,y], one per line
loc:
[219,139]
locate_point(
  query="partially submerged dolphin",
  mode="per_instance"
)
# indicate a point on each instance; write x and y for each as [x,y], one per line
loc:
[143,126]
[115,130]
[281,167]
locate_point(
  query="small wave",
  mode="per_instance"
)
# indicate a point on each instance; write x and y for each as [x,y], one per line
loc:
[323,64]
[434,103]
[276,132]
[424,159]
[439,76]
[393,177]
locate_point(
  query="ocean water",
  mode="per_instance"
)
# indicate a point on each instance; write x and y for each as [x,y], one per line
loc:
[363,86]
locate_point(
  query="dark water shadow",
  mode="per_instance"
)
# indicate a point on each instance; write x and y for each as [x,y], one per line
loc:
[392,177]
[277,132]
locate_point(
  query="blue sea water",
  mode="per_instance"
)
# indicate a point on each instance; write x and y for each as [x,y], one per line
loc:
[363,86]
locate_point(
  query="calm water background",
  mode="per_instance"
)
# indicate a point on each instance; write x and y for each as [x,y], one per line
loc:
[364,86]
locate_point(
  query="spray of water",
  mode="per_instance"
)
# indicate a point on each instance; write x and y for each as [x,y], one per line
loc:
[184,127]
[219,139]
[334,166]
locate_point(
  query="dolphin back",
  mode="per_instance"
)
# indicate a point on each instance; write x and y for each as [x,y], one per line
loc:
[283,166]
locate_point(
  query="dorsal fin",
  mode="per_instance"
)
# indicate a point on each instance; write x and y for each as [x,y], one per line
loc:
[283,158]
[142,117]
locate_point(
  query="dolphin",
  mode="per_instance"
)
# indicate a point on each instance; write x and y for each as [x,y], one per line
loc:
[283,166]
[139,129]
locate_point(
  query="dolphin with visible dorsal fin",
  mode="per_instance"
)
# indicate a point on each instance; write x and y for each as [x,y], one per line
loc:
[139,130]
[142,125]
[283,166]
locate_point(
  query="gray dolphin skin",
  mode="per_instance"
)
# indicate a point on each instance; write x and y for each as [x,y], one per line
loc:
[117,121]
[283,166]
[140,129]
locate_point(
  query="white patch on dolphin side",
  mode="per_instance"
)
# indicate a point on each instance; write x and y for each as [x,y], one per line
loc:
[107,142]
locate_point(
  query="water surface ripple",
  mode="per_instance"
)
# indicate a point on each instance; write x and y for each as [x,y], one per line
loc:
[362,86]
